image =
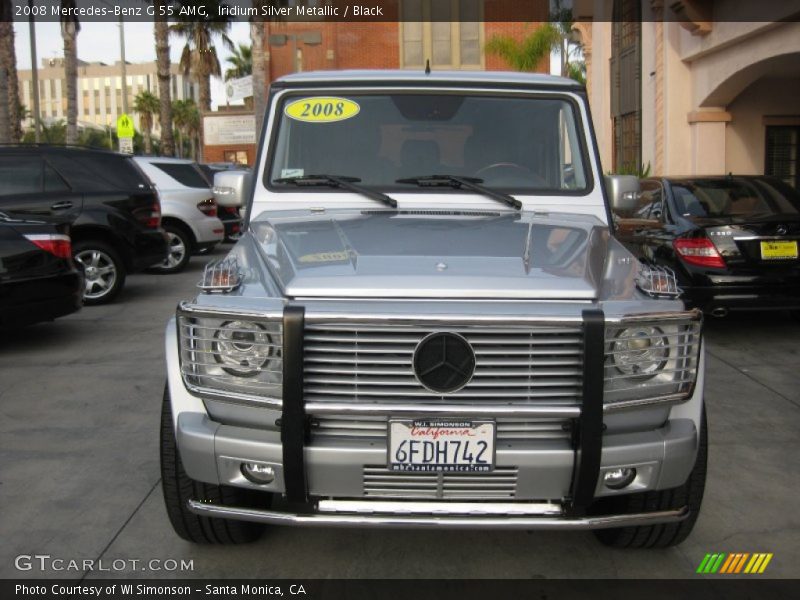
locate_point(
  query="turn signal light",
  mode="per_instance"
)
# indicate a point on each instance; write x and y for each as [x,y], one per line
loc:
[698,251]
[56,244]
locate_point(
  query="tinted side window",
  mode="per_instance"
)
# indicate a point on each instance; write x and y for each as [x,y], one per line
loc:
[53,181]
[20,175]
[96,172]
[185,174]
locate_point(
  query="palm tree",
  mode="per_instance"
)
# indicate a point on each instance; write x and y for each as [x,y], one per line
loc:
[241,62]
[69,32]
[147,105]
[259,66]
[180,117]
[199,56]
[193,128]
[161,34]
[8,64]
[554,35]
[528,54]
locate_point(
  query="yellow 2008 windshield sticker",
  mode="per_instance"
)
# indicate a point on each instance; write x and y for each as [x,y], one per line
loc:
[322,109]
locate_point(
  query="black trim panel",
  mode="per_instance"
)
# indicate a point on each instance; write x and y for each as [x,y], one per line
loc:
[589,430]
[294,423]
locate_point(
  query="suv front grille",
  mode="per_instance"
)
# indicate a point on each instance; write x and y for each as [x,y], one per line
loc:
[373,428]
[499,484]
[373,363]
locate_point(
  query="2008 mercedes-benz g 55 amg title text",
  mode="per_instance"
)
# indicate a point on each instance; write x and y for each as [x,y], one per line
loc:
[428,322]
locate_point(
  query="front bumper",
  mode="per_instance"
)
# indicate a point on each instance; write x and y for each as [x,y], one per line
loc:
[216,437]
[338,514]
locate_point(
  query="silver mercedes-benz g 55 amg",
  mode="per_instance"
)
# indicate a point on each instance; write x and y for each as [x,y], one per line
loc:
[428,322]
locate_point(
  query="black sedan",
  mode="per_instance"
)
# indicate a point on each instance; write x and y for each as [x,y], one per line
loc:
[38,277]
[731,240]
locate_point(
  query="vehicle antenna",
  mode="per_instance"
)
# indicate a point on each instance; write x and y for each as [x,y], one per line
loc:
[428,67]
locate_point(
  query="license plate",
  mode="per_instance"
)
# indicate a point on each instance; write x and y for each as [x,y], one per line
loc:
[441,445]
[778,250]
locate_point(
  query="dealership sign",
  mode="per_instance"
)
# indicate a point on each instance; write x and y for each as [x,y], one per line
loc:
[226,130]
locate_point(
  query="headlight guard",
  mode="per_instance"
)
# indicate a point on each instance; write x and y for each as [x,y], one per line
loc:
[233,355]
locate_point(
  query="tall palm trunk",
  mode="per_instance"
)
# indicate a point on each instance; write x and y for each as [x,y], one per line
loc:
[204,94]
[8,62]
[180,144]
[69,32]
[5,124]
[148,140]
[161,33]
[259,71]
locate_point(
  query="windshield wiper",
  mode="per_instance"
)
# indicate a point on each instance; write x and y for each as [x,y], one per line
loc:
[339,181]
[467,183]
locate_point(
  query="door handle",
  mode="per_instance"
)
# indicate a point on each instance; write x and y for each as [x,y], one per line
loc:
[61,205]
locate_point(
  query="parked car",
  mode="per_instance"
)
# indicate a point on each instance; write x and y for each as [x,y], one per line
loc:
[731,240]
[189,212]
[113,209]
[427,323]
[38,277]
[229,215]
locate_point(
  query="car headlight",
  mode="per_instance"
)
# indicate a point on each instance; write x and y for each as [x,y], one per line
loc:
[239,357]
[653,361]
[640,352]
[243,347]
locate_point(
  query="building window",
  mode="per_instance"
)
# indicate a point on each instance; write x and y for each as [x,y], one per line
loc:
[626,86]
[781,154]
[446,32]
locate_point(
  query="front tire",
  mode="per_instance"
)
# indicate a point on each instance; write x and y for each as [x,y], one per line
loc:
[179,250]
[690,494]
[178,488]
[103,270]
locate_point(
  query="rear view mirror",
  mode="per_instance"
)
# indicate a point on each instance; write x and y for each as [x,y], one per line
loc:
[623,191]
[230,187]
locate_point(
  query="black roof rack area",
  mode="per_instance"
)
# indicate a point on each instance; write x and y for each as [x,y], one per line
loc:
[57,147]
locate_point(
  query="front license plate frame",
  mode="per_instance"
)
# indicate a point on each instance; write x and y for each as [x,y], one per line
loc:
[779,250]
[452,440]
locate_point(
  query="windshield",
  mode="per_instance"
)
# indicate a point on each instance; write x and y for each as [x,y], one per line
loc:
[733,197]
[517,144]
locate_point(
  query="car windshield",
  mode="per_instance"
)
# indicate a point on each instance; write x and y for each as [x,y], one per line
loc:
[511,143]
[733,197]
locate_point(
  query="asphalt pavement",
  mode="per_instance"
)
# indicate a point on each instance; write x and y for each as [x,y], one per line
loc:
[80,402]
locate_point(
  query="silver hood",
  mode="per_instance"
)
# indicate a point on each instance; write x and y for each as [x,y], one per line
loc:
[433,254]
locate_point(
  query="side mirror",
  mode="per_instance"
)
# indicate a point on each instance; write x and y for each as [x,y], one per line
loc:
[230,187]
[624,192]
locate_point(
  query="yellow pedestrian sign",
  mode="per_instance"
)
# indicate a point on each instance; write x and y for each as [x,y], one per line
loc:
[124,126]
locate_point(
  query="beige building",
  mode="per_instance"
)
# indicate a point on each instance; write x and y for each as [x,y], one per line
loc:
[690,87]
[99,90]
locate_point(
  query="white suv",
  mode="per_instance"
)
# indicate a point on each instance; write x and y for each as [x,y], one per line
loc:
[188,208]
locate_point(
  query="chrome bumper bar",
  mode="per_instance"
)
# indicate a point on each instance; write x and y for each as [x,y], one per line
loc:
[440,520]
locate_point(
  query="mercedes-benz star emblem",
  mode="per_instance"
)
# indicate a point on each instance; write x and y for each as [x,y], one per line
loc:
[444,362]
[782,230]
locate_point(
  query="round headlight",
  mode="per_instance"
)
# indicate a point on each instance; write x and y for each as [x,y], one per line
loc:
[243,348]
[640,351]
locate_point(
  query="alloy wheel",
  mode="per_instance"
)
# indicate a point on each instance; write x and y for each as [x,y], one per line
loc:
[176,252]
[100,273]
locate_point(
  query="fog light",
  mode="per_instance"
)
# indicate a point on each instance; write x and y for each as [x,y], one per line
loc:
[258,473]
[616,479]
